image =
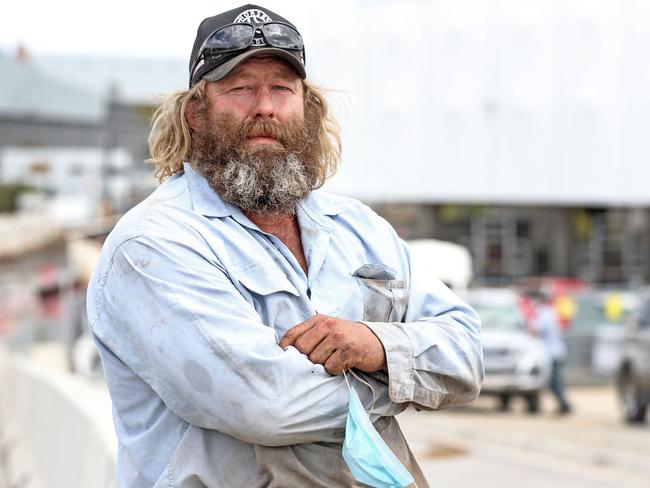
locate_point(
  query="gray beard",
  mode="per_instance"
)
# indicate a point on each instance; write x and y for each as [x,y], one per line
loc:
[262,183]
[264,179]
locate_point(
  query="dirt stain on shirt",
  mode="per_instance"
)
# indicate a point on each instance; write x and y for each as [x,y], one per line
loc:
[197,376]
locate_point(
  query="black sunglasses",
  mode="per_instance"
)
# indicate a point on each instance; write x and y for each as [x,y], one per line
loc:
[239,37]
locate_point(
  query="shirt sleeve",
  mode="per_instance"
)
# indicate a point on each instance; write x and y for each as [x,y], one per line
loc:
[434,357]
[168,310]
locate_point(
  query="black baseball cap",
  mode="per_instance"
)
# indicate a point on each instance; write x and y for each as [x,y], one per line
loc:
[215,68]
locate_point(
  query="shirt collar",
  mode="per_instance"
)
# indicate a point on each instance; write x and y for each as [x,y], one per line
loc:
[206,201]
[317,205]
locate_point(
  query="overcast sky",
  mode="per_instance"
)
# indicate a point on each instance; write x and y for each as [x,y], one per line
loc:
[138,28]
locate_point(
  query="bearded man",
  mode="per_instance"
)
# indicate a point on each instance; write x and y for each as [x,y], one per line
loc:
[227,305]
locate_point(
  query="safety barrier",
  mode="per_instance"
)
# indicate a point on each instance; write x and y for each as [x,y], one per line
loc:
[58,424]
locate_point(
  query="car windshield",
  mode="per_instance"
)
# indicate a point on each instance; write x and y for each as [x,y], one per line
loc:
[592,311]
[499,317]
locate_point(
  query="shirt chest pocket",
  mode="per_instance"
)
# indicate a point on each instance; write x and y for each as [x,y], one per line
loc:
[384,298]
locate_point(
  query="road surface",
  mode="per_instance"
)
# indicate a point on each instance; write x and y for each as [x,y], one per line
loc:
[480,446]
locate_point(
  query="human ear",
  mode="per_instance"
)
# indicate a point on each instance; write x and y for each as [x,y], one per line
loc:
[190,114]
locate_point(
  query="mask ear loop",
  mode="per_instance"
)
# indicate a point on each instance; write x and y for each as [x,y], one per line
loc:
[362,381]
[412,485]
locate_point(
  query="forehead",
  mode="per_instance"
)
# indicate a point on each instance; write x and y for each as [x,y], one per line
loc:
[263,66]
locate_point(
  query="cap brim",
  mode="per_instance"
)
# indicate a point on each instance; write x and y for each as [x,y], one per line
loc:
[221,71]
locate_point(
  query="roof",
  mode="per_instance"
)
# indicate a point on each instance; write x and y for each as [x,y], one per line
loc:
[131,80]
[26,91]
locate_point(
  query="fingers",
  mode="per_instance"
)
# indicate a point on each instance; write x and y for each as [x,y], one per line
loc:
[322,352]
[311,338]
[337,363]
[297,330]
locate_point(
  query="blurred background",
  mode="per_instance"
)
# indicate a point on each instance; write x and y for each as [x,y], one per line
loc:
[506,139]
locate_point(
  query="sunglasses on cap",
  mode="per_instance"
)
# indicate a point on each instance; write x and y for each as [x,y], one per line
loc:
[239,37]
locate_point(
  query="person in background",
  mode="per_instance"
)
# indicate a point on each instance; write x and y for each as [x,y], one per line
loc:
[546,324]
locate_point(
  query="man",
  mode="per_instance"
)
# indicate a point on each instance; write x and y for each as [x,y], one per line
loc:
[227,305]
[546,325]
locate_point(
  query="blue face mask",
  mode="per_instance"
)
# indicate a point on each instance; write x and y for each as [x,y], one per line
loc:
[369,458]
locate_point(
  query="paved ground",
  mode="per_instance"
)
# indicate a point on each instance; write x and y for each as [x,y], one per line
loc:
[479,446]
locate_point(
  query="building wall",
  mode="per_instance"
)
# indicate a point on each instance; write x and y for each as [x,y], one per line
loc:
[128,127]
[32,132]
[508,102]
[600,245]
[125,126]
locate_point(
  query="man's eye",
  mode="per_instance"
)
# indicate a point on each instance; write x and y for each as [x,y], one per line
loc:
[239,89]
[281,88]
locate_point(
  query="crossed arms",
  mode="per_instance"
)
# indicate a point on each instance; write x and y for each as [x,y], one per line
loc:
[170,313]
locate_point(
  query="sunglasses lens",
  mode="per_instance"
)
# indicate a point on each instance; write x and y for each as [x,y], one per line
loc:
[282,36]
[231,37]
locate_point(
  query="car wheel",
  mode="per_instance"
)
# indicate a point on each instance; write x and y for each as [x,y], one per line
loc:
[532,402]
[633,410]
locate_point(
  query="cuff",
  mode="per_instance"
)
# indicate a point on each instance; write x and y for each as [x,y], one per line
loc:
[399,358]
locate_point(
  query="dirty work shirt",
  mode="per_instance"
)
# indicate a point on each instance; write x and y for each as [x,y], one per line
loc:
[188,304]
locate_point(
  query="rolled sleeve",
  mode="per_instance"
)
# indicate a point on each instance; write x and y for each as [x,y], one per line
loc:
[434,358]
[434,354]
[399,359]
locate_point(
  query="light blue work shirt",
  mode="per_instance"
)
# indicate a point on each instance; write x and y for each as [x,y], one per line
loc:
[188,304]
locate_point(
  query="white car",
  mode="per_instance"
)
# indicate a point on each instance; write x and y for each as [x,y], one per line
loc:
[516,363]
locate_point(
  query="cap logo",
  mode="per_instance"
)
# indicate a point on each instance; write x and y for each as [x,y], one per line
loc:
[253,16]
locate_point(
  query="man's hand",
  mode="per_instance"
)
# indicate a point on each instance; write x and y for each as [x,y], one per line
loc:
[337,344]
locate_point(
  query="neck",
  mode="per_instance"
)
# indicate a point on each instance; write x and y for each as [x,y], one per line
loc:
[285,227]
[264,221]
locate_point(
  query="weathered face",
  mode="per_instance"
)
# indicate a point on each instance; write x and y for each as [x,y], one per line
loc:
[260,89]
[253,142]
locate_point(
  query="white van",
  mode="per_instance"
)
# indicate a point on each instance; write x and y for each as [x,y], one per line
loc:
[451,263]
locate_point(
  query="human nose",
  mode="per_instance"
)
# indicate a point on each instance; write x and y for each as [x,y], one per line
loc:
[264,107]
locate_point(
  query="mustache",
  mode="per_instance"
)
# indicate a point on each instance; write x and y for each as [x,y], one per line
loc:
[265,128]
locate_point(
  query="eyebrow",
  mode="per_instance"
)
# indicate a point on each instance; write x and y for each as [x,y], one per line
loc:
[283,72]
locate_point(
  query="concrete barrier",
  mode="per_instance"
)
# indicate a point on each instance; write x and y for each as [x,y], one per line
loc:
[23,233]
[58,425]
